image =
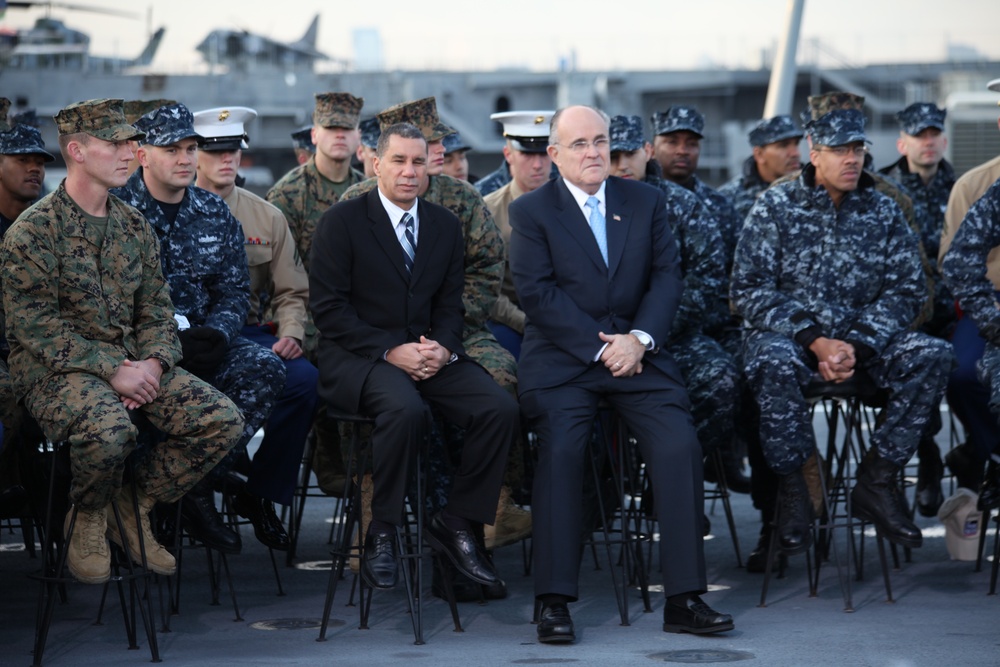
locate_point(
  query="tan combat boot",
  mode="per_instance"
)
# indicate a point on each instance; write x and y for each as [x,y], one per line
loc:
[87,554]
[158,558]
[512,523]
[366,517]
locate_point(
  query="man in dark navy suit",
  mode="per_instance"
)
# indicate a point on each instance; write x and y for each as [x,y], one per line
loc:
[386,294]
[597,272]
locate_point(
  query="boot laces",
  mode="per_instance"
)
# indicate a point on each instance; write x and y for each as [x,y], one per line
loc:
[90,533]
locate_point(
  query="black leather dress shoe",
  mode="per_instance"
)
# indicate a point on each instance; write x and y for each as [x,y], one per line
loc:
[462,549]
[379,562]
[695,617]
[204,523]
[555,626]
[464,589]
[267,526]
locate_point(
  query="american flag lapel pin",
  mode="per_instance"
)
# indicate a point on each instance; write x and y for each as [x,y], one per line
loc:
[616,217]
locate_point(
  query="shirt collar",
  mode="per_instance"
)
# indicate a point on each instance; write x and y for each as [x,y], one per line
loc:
[581,197]
[395,212]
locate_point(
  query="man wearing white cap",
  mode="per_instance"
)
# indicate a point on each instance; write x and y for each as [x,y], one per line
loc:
[277,272]
[527,134]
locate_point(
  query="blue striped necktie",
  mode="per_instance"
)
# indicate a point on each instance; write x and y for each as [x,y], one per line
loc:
[409,243]
[598,226]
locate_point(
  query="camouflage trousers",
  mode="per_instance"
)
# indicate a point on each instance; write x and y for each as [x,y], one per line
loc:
[199,423]
[253,377]
[913,369]
[712,378]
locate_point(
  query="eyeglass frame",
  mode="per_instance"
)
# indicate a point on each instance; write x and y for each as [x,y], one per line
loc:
[581,145]
[845,149]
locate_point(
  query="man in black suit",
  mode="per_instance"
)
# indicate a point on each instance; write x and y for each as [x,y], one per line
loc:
[597,272]
[386,294]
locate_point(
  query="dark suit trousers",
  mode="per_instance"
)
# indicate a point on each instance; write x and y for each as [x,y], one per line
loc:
[468,397]
[656,410]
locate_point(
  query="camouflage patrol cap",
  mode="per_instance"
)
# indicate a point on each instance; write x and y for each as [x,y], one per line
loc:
[421,113]
[454,142]
[302,138]
[837,128]
[626,133]
[103,119]
[135,109]
[679,117]
[771,130]
[526,131]
[917,117]
[167,125]
[4,108]
[23,140]
[370,132]
[337,110]
[820,105]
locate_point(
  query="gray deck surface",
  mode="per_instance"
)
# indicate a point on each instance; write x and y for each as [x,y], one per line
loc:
[941,616]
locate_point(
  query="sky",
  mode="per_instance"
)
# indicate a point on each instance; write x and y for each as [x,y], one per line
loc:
[464,35]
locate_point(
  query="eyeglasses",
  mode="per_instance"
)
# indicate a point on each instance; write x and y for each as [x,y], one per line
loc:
[844,151]
[582,145]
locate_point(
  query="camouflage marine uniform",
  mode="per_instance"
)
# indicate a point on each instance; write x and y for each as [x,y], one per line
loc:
[303,195]
[206,268]
[76,308]
[851,273]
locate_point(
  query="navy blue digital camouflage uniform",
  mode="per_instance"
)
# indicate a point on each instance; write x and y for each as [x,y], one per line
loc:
[710,374]
[964,269]
[929,203]
[205,265]
[851,273]
[743,190]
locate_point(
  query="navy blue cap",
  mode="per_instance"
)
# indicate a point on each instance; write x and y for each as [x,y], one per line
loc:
[626,133]
[371,130]
[771,130]
[454,142]
[679,117]
[167,125]
[917,117]
[23,140]
[837,128]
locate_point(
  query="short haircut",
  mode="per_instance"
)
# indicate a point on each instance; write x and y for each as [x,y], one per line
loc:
[65,139]
[403,130]
[557,116]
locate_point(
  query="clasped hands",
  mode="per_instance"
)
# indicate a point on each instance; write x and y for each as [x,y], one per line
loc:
[836,358]
[137,382]
[420,360]
[623,354]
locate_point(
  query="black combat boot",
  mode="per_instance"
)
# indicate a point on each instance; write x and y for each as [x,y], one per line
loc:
[877,498]
[794,514]
[204,523]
